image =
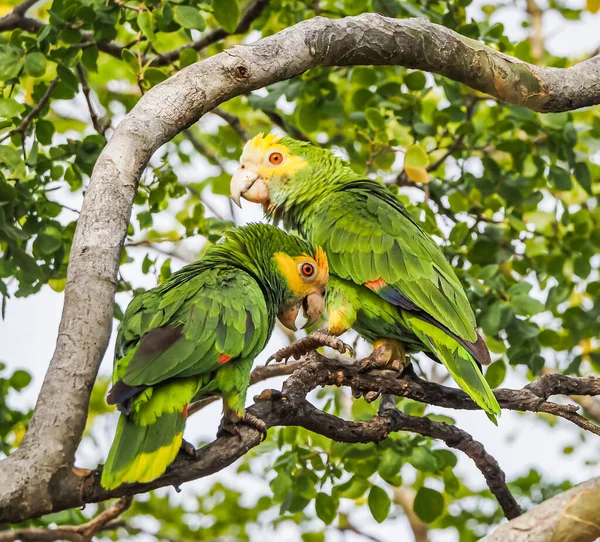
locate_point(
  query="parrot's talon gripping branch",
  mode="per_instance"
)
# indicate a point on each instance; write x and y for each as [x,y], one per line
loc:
[188,449]
[229,427]
[310,343]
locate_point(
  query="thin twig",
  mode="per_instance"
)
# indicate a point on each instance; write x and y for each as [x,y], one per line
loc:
[537,36]
[24,125]
[17,17]
[233,121]
[286,126]
[99,124]
[75,533]
[254,11]
[261,373]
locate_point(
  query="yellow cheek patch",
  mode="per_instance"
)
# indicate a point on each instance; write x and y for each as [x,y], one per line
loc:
[300,286]
[257,151]
[290,166]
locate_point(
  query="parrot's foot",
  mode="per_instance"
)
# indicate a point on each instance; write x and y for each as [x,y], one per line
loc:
[188,449]
[230,427]
[387,353]
[311,342]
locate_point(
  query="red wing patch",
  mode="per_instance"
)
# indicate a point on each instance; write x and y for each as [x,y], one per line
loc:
[224,358]
[376,284]
[184,412]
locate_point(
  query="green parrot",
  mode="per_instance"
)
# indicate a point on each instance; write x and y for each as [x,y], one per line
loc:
[389,280]
[197,334]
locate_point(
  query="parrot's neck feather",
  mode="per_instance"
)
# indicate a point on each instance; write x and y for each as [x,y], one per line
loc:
[294,202]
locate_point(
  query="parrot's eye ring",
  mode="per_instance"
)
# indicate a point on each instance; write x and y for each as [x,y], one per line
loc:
[276,158]
[307,269]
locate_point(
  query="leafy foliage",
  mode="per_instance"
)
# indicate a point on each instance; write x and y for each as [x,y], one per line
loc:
[511,195]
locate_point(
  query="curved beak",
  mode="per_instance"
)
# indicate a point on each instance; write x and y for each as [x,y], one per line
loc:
[241,182]
[312,308]
[288,316]
[247,184]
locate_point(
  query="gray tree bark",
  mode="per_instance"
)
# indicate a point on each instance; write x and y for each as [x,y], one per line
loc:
[39,477]
[571,516]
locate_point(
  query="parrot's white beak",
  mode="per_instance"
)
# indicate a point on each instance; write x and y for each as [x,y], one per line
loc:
[312,308]
[246,183]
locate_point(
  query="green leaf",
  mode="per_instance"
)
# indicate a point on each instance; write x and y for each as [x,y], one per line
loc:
[583,176]
[374,118]
[326,508]
[48,241]
[187,57]
[415,157]
[390,465]
[422,459]
[353,488]
[451,483]
[44,130]
[379,503]
[189,17]
[560,178]
[154,76]
[35,64]
[415,81]
[20,379]
[146,24]
[11,62]
[68,77]
[525,305]
[227,14]
[496,373]
[429,504]
[308,117]
[10,108]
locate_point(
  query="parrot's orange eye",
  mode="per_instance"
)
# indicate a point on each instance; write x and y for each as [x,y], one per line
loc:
[276,158]
[308,270]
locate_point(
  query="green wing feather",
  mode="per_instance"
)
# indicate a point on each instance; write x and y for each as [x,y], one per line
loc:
[369,235]
[209,314]
[169,349]
[460,364]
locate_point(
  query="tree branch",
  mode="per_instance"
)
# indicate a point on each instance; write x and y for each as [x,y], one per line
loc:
[84,486]
[76,533]
[572,515]
[99,124]
[233,121]
[27,119]
[405,498]
[16,18]
[38,477]
[253,13]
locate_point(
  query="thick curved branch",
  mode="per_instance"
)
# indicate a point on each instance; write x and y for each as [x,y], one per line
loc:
[572,515]
[38,477]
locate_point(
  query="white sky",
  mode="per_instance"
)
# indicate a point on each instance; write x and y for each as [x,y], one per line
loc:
[28,335]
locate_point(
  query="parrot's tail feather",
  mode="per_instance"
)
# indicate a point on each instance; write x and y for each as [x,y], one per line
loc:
[460,364]
[478,349]
[141,453]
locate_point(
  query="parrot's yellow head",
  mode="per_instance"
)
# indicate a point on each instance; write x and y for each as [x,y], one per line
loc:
[306,277]
[264,159]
